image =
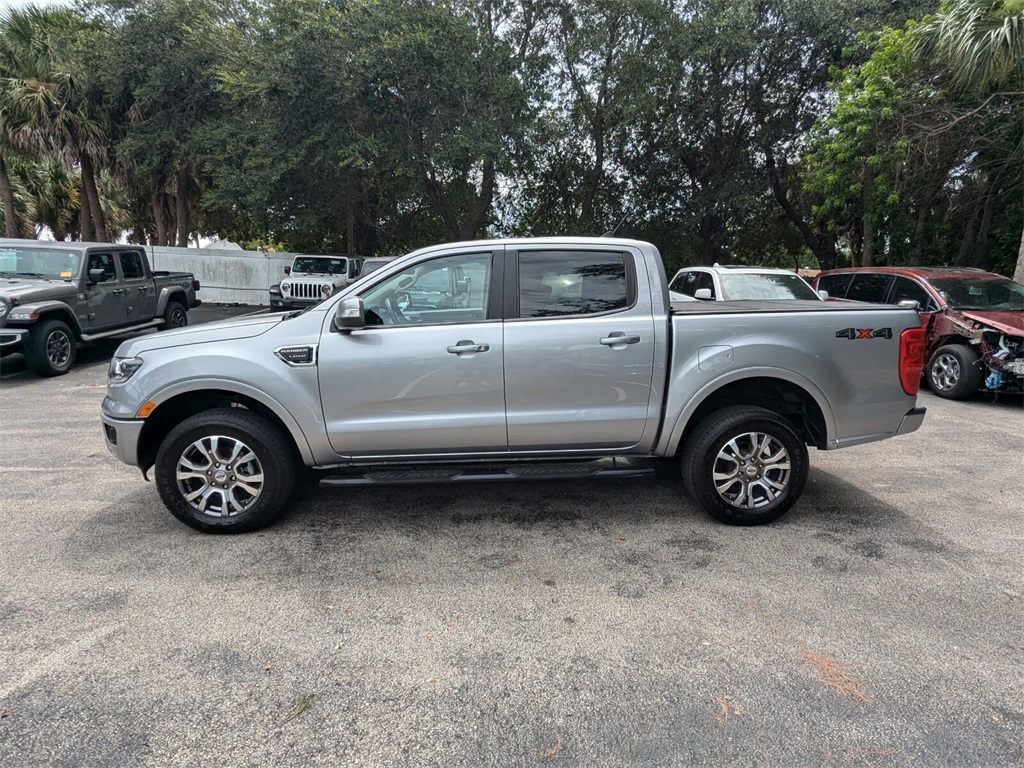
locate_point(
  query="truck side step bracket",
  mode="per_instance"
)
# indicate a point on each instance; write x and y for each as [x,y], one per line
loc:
[488,473]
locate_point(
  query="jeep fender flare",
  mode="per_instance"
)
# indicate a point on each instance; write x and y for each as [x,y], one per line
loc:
[168,294]
[44,310]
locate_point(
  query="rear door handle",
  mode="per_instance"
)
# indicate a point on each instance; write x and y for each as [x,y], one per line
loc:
[467,347]
[619,339]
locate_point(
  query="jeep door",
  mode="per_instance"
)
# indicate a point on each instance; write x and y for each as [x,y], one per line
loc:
[579,350]
[140,290]
[419,382]
[103,306]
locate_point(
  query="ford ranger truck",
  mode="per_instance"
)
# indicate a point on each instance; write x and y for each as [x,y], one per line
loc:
[559,357]
[55,294]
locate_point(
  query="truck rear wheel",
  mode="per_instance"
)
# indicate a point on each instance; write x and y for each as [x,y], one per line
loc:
[50,348]
[175,316]
[745,465]
[227,470]
[954,372]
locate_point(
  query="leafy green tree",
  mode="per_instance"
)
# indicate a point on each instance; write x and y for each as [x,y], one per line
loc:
[981,43]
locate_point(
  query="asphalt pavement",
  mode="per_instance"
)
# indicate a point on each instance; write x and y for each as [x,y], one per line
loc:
[574,623]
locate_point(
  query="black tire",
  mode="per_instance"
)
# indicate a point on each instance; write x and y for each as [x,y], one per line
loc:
[760,463]
[222,448]
[954,372]
[175,315]
[50,348]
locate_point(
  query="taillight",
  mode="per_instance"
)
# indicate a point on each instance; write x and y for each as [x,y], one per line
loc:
[195,285]
[912,343]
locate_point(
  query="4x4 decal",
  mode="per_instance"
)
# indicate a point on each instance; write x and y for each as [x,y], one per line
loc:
[864,333]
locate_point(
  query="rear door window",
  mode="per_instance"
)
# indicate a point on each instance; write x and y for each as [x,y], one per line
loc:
[869,287]
[905,288]
[834,284]
[556,284]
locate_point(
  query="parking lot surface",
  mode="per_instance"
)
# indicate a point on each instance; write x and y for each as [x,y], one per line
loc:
[572,623]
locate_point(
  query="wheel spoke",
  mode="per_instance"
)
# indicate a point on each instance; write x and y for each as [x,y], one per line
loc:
[219,475]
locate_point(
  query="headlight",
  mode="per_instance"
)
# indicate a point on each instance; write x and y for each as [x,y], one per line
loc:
[326,289]
[123,368]
[4,309]
[285,287]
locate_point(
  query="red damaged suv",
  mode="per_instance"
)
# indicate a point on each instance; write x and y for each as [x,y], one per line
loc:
[974,319]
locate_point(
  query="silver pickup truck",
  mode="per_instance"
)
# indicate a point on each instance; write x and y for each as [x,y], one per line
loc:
[511,359]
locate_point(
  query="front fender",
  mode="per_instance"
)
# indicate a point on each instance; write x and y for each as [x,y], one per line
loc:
[234,386]
[30,313]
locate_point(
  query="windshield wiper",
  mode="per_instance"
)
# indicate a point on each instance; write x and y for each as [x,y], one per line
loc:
[32,274]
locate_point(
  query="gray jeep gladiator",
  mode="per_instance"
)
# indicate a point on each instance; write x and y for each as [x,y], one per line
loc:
[557,357]
[54,294]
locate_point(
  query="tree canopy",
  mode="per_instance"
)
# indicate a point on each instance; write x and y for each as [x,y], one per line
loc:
[792,132]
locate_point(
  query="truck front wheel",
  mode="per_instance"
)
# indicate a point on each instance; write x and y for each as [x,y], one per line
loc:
[745,465]
[50,348]
[227,470]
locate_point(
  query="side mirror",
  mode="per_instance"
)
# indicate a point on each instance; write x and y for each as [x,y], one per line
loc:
[910,303]
[703,294]
[287,270]
[350,315]
[97,276]
[823,295]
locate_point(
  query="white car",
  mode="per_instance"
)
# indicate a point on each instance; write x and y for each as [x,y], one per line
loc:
[730,283]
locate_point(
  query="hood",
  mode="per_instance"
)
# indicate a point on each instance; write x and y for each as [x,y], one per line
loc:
[1009,321]
[26,289]
[244,327]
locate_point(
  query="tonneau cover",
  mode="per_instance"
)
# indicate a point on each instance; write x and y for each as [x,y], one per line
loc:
[786,305]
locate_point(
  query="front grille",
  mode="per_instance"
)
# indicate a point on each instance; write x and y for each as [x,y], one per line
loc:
[308,291]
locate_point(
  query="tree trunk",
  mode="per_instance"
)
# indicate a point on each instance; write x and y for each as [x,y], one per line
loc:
[160,220]
[7,200]
[823,250]
[181,187]
[85,230]
[477,213]
[1018,273]
[917,250]
[89,182]
[867,246]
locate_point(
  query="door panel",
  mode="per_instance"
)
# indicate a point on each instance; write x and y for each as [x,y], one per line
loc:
[410,386]
[104,302]
[140,291]
[578,373]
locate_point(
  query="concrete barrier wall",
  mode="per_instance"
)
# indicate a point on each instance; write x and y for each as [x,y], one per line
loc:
[225,277]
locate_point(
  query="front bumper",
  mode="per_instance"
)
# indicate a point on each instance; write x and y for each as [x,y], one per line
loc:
[278,302]
[912,421]
[12,337]
[122,437]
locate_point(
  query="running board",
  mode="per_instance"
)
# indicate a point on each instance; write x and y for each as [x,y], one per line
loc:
[121,331]
[486,473]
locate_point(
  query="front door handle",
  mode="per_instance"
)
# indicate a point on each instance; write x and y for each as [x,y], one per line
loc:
[467,347]
[619,339]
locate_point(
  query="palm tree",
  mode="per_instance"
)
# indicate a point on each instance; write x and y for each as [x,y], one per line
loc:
[45,107]
[981,42]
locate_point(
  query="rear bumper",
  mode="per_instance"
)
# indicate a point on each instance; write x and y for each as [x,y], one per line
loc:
[912,421]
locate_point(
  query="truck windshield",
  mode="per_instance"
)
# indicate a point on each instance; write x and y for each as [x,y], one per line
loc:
[980,292]
[320,265]
[53,263]
[766,287]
